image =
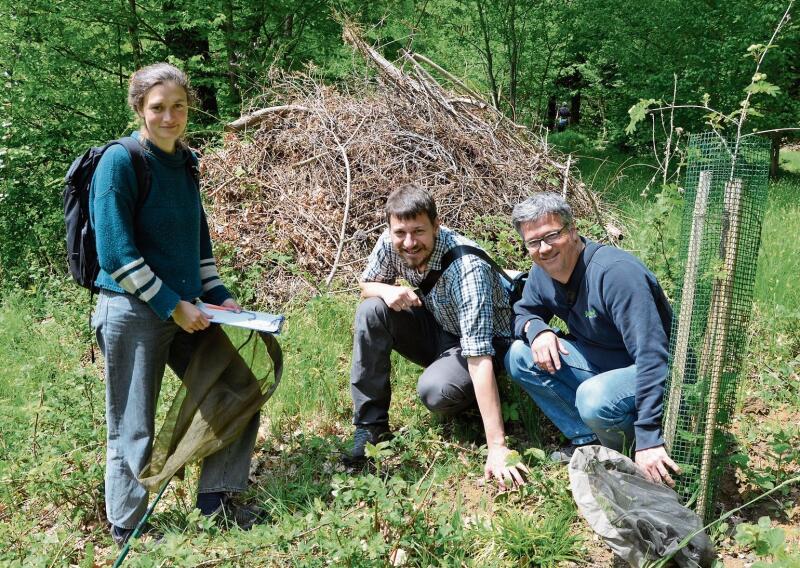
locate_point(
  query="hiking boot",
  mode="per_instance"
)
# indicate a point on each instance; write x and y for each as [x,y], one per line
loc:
[122,536]
[232,514]
[563,455]
[365,435]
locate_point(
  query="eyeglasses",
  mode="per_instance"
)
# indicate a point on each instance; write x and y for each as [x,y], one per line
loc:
[550,238]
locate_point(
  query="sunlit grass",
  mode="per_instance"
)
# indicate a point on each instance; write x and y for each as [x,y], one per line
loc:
[790,161]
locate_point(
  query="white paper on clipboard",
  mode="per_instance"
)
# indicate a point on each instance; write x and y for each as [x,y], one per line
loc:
[259,321]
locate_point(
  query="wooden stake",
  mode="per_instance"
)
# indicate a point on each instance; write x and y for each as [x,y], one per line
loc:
[687,307]
[722,296]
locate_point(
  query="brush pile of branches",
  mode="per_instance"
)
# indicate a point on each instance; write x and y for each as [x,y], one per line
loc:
[298,190]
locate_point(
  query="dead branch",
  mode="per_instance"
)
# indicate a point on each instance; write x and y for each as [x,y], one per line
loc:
[261,115]
[301,199]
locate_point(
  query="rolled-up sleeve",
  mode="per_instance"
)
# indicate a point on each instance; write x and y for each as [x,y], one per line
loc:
[472,293]
[379,266]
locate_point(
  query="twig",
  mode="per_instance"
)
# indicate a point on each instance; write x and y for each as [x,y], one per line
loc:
[746,103]
[35,444]
[668,147]
[323,525]
[346,213]
[452,78]
[452,445]
[416,509]
[61,549]
[768,131]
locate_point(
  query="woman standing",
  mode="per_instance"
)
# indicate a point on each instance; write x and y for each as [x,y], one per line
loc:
[155,259]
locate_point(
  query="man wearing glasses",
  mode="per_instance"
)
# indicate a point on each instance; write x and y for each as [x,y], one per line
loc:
[604,380]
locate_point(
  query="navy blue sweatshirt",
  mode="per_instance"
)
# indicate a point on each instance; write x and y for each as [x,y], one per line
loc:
[619,316]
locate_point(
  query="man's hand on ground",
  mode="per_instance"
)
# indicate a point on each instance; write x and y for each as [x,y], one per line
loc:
[546,350]
[400,297]
[496,466]
[654,462]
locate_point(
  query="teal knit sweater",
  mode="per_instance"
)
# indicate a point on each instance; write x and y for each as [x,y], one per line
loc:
[161,253]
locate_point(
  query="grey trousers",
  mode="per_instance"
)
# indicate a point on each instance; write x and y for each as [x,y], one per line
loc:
[445,387]
[137,346]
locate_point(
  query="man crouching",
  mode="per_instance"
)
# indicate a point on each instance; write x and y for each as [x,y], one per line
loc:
[605,379]
[459,331]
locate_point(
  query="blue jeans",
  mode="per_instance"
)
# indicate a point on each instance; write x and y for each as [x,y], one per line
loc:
[137,346]
[582,400]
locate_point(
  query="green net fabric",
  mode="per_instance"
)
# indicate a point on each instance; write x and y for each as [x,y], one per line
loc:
[220,394]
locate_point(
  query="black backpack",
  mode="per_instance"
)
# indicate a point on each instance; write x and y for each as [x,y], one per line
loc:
[514,284]
[81,248]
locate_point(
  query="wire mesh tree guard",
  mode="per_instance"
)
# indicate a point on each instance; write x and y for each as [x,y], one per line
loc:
[726,195]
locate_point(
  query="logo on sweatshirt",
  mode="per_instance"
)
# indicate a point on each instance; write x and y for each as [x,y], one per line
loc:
[590,314]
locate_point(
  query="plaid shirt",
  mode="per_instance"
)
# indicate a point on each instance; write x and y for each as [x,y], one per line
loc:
[469,299]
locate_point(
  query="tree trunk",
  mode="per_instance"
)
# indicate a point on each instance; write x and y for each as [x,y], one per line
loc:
[230,48]
[513,59]
[575,108]
[489,61]
[288,25]
[552,105]
[184,44]
[774,156]
[133,34]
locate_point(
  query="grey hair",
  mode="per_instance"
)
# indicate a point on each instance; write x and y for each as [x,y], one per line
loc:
[541,205]
[148,77]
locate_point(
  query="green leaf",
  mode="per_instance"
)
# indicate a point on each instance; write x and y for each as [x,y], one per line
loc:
[763,87]
[781,447]
[774,539]
[513,459]
[536,454]
[740,460]
[638,112]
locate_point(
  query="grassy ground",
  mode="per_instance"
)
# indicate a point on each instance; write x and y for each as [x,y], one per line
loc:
[790,161]
[424,503]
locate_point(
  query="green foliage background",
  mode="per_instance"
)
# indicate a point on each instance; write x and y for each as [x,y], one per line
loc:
[63,79]
[64,68]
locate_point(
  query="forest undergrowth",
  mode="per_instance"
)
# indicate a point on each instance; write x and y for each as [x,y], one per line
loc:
[424,502]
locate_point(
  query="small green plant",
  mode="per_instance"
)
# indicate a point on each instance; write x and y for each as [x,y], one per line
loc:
[533,538]
[767,542]
[778,460]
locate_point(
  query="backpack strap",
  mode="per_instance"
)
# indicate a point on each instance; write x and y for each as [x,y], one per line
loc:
[140,167]
[142,170]
[451,255]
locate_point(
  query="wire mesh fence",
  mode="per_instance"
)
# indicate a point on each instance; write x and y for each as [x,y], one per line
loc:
[726,195]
